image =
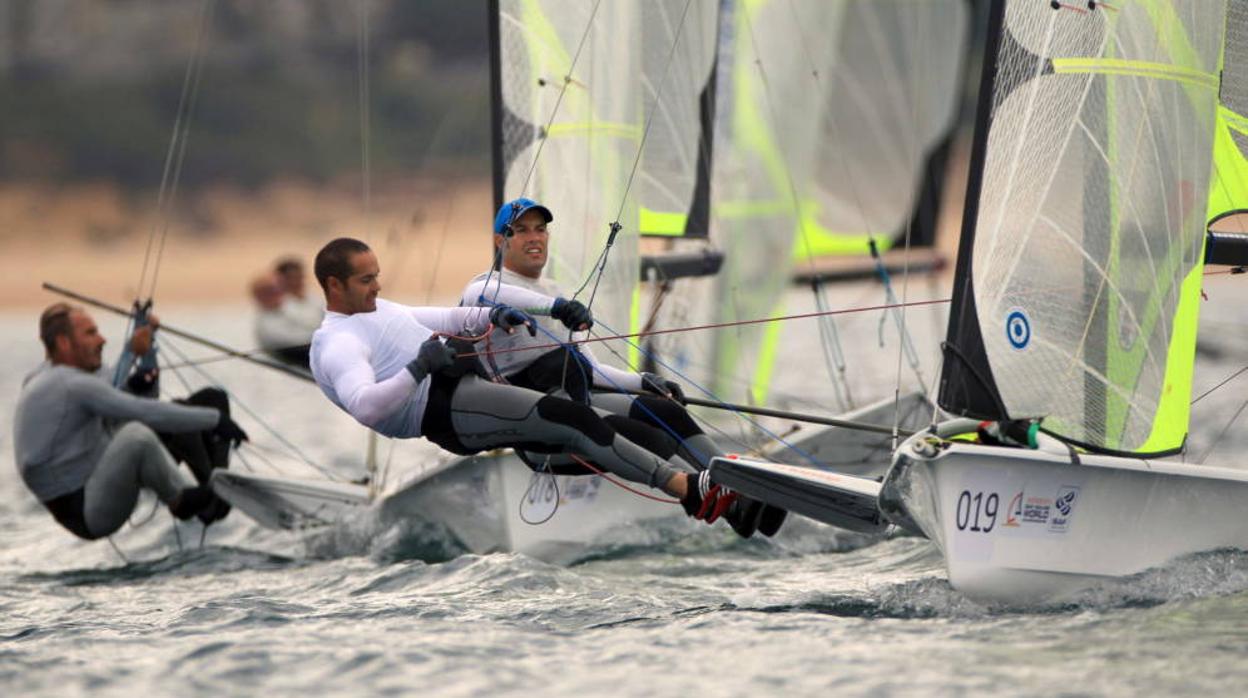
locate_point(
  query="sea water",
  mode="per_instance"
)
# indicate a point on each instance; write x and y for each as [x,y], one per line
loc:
[360,610]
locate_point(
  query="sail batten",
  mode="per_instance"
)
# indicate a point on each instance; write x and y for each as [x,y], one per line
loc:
[1095,158]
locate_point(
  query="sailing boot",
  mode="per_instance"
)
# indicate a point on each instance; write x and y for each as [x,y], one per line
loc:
[215,511]
[218,449]
[707,501]
[770,519]
[191,501]
[216,444]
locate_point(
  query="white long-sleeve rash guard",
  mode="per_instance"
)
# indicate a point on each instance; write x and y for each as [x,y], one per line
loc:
[532,295]
[360,361]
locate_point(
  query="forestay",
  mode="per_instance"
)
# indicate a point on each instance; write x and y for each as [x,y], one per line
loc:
[1079,269]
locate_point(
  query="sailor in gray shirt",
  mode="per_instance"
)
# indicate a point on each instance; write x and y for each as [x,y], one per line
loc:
[85,448]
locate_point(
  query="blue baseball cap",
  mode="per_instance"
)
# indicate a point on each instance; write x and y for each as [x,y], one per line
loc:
[512,210]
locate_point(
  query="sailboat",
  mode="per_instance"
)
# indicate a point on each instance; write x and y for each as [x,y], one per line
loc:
[583,91]
[1108,137]
[853,172]
[578,89]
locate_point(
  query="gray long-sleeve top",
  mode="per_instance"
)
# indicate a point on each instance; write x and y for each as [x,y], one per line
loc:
[59,431]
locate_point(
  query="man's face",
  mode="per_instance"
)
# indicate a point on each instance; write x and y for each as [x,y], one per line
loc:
[83,347]
[359,293]
[292,281]
[525,253]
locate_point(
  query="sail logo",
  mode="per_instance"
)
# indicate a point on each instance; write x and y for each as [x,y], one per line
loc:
[1018,329]
[1014,512]
[1067,497]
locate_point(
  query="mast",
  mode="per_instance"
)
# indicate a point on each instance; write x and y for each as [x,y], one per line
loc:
[964,389]
[498,167]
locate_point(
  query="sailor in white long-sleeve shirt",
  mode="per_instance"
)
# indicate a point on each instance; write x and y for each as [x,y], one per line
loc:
[382,363]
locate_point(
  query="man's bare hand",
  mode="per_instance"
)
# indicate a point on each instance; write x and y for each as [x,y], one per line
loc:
[141,340]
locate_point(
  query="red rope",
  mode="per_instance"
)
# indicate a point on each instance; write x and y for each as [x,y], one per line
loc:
[488,330]
[619,484]
[717,325]
[488,353]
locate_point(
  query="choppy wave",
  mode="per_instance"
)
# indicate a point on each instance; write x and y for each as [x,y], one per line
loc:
[367,608]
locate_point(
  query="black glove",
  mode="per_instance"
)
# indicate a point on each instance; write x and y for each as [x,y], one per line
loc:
[659,385]
[508,318]
[466,359]
[144,383]
[228,430]
[572,313]
[432,357]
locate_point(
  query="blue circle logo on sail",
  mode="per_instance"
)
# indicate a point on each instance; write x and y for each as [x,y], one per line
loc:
[1018,329]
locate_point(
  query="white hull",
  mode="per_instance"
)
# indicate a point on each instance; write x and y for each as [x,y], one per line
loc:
[479,504]
[1022,526]
[289,503]
[494,503]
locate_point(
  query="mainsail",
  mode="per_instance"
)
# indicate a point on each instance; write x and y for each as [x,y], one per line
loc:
[586,90]
[828,114]
[819,145]
[1078,278]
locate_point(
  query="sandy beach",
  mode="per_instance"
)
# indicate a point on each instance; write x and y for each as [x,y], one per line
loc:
[94,238]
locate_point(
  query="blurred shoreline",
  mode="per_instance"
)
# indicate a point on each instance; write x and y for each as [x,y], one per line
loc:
[93,238]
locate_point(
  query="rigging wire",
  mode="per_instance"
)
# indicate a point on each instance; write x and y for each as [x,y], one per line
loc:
[658,99]
[364,97]
[567,80]
[707,423]
[712,396]
[530,496]
[1230,378]
[905,342]
[166,216]
[497,261]
[177,147]
[903,346]
[366,166]
[829,334]
[709,326]
[615,226]
[601,473]
[234,399]
[833,354]
[1222,434]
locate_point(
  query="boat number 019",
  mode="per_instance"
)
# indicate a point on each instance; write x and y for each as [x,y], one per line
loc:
[977,512]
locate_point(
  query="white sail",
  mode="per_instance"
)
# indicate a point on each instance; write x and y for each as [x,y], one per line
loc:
[893,93]
[583,84]
[828,111]
[678,44]
[1088,237]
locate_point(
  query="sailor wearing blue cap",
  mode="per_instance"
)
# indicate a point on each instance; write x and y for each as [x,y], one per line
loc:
[521,243]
